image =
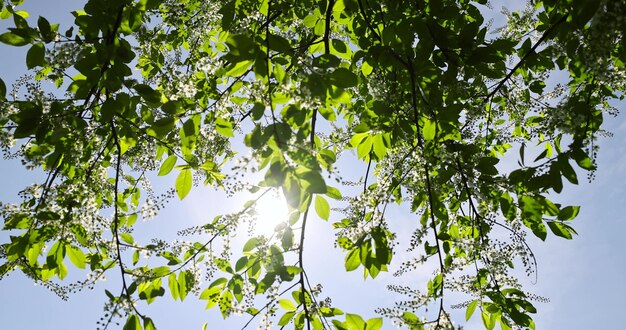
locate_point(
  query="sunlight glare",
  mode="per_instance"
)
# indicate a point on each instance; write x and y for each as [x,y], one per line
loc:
[271,210]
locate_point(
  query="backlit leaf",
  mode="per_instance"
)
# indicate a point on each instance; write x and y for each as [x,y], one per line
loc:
[132,323]
[224,127]
[470,309]
[284,320]
[429,129]
[183,183]
[172,283]
[168,165]
[374,323]
[287,305]
[353,260]
[76,255]
[355,322]
[322,207]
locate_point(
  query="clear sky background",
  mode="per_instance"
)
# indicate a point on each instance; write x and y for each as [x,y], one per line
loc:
[584,278]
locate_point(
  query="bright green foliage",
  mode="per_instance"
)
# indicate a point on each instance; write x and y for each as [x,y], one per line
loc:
[459,126]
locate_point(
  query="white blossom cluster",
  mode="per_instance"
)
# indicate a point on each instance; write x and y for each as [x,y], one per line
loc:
[266,322]
[519,23]
[148,210]
[185,88]
[84,207]
[205,15]
[63,55]
[6,138]
[604,36]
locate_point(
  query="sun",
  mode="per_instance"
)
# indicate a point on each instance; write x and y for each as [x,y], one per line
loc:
[271,210]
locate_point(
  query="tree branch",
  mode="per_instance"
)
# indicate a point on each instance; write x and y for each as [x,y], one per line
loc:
[526,56]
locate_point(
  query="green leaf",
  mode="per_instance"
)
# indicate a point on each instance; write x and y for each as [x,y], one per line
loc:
[429,129]
[312,181]
[135,257]
[354,322]
[241,46]
[298,322]
[12,39]
[241,264]
[44,28]
[148,324]
[132,323]
[162,127]
[333,193]
[278,43]
[366,68]
[5,13]
[151,96]
[183,183]
[160,271]
[561,229]
[150,290]
[353,260]
[211,294]
[135,197]
[109,108]
[539,229]
[172,107]
[3,90]
[582,159]
[56,255]
[168,165]
[284,320]
[470,309]
[239,68]
[327,157]
[224,127]
[287,305]
[287,239]
[21,13]
[584,11]
[568,213]
[487,321]
[567,170]
[343,77]
[35,56]
[185,283]
[322,207]
[77,257]
[486,165]
[374,323]
[226,303]
[172,283]
[251,244]
[339,325]
[127,238]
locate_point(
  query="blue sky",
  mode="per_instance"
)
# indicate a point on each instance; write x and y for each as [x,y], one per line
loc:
[583,278]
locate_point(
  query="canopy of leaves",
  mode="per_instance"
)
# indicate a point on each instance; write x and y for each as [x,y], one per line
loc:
[457,122]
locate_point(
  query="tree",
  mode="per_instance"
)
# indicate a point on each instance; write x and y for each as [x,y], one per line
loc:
[461,127]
